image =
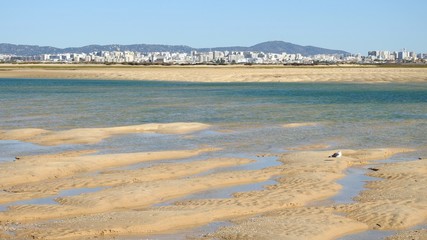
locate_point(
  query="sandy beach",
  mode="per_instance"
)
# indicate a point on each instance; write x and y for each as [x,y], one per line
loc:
[366,74]
[86,183]
[125,201]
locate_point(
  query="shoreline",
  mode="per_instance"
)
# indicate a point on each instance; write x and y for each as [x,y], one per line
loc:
[124,180]
[125,201]
[206,73]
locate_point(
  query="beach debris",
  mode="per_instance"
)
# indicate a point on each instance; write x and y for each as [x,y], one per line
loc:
[420,158]
[336,155]
[374,169]
[17,158]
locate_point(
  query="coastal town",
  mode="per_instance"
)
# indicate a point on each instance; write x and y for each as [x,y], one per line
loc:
[218,57]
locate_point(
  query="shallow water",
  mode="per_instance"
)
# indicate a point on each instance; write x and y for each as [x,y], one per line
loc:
[51,199]
[369,235]
[350,115]
[353,183]
[246,118]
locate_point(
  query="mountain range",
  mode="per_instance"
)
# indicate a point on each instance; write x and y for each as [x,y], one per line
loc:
[267,47]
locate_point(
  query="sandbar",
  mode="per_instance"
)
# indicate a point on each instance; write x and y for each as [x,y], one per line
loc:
[33,168]
[108,178]
[301,124]
[362,74]
[95,135]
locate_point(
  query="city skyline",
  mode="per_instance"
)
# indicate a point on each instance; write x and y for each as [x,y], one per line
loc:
[217,57]
[353,26]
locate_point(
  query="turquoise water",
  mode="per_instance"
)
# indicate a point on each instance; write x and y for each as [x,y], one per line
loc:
[63,104]
[350,115]
[246,118]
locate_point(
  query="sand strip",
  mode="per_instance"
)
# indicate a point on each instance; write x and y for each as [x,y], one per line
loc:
[110,178]
[131,196]
[298,125]
[95,135]
[219,74]
[33,169]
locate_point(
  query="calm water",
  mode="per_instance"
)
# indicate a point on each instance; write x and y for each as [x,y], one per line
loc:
[350,115]
[246,118]
[59,104]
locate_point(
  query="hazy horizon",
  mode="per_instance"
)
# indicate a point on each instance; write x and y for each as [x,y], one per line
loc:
[96,44]
[352,26]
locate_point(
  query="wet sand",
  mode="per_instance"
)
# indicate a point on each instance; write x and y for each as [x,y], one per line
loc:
[362,74]
[114,197]
[95,135]
[413,235]
[397,201]
[126,201]
[302,124]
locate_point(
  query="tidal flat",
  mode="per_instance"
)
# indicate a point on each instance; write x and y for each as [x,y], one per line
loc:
[97,158]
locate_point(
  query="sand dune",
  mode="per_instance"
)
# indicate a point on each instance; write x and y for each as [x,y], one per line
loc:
[219,74]
[95,135]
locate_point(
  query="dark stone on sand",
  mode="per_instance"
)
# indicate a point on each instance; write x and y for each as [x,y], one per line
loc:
[374,169]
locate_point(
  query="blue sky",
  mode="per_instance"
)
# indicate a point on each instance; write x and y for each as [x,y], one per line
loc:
[352,25]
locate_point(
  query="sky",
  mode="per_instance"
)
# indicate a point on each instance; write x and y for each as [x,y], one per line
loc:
[356,26]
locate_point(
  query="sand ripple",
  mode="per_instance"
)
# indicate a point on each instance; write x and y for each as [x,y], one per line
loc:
[303,178]
[398,201]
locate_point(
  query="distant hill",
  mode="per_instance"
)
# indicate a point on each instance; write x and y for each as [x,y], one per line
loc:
[280,46]
[270,47]
[31,50]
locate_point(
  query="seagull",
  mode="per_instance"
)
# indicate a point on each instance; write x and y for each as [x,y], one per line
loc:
[336,155]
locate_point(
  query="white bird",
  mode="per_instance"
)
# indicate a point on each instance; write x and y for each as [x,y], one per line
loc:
[336,155]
